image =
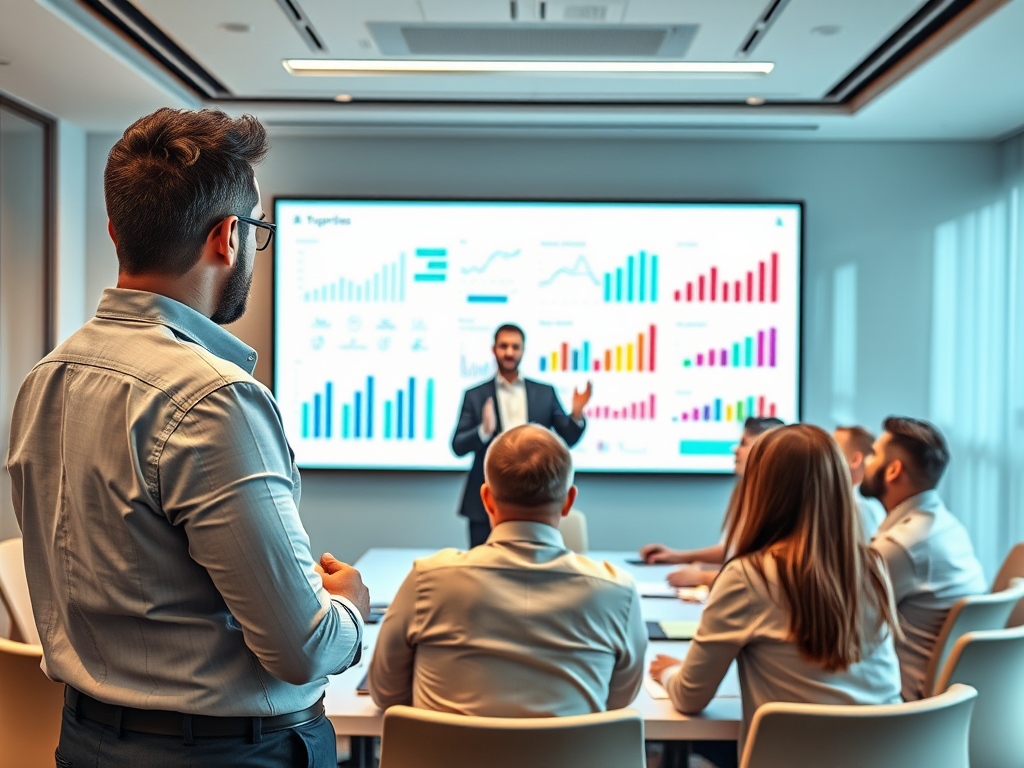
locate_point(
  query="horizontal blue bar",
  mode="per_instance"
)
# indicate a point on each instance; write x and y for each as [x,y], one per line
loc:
[487,299]
[437,265]
[430,253]
[437,278]
[706,447]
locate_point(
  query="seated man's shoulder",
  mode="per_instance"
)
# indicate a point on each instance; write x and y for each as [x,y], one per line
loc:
[602,571]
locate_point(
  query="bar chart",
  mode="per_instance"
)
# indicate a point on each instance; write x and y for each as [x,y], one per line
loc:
[361,417]
[758,286]
[754,351]
[637,355]
[386,285]
[720,409]
[635,281]
[638,410]
[431,265]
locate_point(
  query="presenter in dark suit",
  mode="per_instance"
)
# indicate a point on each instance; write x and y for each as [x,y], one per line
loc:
[506,401]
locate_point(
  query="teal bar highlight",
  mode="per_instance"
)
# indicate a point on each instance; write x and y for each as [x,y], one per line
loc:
[607,286]
[477,299]
[654,278]
[629,277]
[428,425]
[429,278]
[642,293]
[618,283]
[706,447]
[387,419]
[305,419]
[437,265]
[431,253]
[346,421]
[736,355]
[750,351]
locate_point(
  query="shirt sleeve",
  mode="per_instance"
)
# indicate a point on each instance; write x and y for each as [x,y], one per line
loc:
[227,478]
[391,669]
[723,632]
[628,674]
[899,565]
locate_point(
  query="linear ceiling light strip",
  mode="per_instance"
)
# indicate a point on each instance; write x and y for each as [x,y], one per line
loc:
[403,67]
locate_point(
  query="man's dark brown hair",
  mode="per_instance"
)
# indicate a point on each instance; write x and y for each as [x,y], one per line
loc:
[860,438]
[172,177]
[528,466]
[924,447]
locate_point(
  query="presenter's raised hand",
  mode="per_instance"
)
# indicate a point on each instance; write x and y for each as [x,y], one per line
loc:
[580,400]
[488,419]
[344,581]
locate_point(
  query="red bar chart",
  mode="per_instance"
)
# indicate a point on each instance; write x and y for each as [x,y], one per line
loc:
[758,286]
[636,355]
[639,410]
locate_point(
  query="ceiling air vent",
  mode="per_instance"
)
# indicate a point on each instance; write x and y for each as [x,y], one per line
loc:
[303,25]
[771,12]
[496,41]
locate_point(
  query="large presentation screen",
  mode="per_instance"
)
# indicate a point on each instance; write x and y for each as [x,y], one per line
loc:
[684,316]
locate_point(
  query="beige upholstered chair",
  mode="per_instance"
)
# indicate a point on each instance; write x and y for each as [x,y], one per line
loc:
[931,733]
[419,738]
[574,531]
[1013,567]
[30,708]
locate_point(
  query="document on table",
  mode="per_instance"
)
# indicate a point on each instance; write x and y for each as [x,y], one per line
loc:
[655,589]
[654,689]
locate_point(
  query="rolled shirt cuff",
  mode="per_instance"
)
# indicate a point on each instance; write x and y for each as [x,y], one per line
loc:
[668,674]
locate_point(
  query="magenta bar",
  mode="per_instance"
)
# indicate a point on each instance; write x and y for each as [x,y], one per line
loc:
[606,410]
[696,414]
[700,359]
[760,349]
[643,411]
[711,357]
[725,358]
[652,406]
[771,348]
[686,417]
[632,411]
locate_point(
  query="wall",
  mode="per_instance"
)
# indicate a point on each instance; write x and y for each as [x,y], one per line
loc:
[871,213]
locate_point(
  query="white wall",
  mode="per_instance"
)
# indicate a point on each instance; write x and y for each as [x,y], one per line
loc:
[872,205]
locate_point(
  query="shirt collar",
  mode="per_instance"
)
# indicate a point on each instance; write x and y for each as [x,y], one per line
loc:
[146,307]
[523,530]
[519,382]
[928,501]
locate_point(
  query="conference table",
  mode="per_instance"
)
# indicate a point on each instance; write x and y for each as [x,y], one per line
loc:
[383,570]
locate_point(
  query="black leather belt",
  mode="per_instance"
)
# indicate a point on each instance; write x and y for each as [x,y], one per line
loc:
[158,722]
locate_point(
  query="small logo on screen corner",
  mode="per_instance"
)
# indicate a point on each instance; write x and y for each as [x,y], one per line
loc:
[324,221]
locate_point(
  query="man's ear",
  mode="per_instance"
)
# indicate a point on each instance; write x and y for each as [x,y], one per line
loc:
[110,231]
[893,471]
[223,240]
[488,499]
[570,499]
[857,461]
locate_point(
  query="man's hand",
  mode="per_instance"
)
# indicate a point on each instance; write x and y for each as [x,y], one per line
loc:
[659,553]
[344,581]
[661,663]
[488,419]
[580,400]
[691,576]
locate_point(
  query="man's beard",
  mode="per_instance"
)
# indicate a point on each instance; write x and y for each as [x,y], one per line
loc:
[873,487]
[235,295]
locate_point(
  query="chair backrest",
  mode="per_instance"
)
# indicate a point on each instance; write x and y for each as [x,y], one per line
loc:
[30,708]
[1012,568]
[971,614]
[574,531]
[993,663]
[419,738]
[931,733]
[14,590]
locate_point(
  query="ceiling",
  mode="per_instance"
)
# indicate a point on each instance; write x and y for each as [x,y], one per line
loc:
[843,69]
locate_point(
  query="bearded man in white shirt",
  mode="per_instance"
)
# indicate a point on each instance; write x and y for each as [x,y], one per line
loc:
[502,403]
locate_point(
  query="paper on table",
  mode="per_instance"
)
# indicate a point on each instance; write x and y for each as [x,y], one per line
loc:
[654,689]
[679,630]
[655,589]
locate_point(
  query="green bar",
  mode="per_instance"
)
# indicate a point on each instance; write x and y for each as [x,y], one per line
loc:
[346,421]
[305,419]
[387,419]
[750,351]
[687,363]
[654,278]
[437,265]
[430,253]
[428,278]
[429,422]
[736,355]
[706,447]
[739,411]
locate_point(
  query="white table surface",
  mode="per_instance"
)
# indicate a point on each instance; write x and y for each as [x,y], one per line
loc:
[383,571]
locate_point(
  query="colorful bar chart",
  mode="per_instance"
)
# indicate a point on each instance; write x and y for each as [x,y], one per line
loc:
[431,265]
[634,282]
[756,351]
[728,410]
[387,286]
[635,356]
[640,410]
[758,286]
[359,418]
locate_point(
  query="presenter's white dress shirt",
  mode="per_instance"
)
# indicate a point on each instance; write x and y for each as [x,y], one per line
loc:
[746,619]
[932,565]
[518,627]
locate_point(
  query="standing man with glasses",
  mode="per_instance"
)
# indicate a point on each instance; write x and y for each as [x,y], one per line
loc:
[171,579]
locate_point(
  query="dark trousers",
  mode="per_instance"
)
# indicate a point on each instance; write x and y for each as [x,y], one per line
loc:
[479,530]
[87,743]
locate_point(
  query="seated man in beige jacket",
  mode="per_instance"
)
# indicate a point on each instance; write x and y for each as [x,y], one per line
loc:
[520,626]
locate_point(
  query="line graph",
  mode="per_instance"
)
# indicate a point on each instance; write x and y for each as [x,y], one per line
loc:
[580,269]
[495,255]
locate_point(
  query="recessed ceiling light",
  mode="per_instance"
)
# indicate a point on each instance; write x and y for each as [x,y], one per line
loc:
[343,97]
[755,101]
[238,27]
[407,67]
[826,30]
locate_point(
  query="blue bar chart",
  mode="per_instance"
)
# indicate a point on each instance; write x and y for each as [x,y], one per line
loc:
[634,282]
[370,414]
[385,286]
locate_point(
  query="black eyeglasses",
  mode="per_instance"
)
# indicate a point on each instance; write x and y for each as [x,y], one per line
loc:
[264,231]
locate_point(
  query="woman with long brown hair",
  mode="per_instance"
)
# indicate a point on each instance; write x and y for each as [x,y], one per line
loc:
[803,604]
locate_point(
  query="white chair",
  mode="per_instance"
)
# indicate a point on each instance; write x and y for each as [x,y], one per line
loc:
[419,738]
[931,733]
[993,663]
[14,591]
[30,708]
[574,531]
[1013,567]
[971,614]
